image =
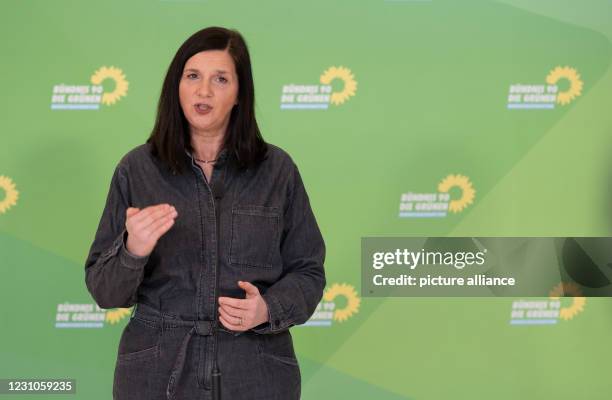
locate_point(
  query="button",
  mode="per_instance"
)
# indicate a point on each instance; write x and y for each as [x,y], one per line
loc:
[277,322]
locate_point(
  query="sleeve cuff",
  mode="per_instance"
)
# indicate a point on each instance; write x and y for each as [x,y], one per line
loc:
[277,320]
[128,259]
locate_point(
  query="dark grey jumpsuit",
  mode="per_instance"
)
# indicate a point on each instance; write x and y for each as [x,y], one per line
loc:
[268,236]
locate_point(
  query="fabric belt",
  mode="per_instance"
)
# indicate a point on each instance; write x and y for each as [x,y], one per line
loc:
[199,327]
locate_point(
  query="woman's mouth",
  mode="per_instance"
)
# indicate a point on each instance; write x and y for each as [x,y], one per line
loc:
[202,108]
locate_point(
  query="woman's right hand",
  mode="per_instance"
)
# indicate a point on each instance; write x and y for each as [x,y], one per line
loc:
[146,226]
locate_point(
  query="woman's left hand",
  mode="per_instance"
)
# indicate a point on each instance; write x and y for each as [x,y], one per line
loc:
[243,314]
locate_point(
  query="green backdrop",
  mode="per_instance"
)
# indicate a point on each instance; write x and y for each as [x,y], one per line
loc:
[416,98]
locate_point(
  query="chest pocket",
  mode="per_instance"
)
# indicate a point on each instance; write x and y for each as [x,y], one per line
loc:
[255,235]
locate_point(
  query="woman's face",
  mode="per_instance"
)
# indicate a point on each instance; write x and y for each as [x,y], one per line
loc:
[207,91]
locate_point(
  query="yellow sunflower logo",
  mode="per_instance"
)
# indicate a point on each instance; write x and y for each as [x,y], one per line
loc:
[11,194]
[344,74]
[117,314]
[575,87]
[352,303]
[467,191]
[121,84]
[571,289]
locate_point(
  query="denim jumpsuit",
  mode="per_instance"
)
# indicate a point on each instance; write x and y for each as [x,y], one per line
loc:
[267,235]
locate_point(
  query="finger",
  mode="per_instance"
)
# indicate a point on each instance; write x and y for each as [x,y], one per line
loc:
[225,324]
[232,310]
[159,215]
[249,288]
[148,210]
[236,303]
[170,215]
[231,326]
[161,227]
[147,213]
[151,229]
[154,217]
[234,319]
[131,211]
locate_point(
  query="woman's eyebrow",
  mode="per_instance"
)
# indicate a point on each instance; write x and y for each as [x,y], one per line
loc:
[221,71]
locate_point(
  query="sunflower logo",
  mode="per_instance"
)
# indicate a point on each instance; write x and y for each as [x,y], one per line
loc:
[467,191]
[352,304]
[575,88]
[121,84]
[571,289]
[11,194]
[344,74]
[116,315]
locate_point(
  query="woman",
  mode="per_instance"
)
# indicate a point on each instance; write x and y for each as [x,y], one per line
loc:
[208,231]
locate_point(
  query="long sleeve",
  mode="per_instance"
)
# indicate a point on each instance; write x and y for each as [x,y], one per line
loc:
[293,298]
[112,274]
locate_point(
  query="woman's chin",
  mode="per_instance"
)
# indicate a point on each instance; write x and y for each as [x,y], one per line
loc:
[203,129]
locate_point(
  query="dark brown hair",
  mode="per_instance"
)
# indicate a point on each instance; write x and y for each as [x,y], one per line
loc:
[170,136]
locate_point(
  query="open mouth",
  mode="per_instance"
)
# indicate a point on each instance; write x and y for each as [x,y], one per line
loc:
[203,106]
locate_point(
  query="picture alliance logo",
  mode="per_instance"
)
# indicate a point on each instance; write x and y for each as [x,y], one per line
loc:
[454,194]
[106,86]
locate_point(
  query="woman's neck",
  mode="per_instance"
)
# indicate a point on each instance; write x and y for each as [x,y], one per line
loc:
[206,147]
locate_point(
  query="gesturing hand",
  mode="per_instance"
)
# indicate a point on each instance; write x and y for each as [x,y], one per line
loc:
[146,226]
[243,314]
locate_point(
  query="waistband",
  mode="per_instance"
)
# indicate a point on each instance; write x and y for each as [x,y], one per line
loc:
[154,316]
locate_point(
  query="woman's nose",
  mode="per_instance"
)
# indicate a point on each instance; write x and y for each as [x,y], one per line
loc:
[204,89]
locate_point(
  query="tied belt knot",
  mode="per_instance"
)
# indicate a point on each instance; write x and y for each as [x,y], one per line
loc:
[199,327]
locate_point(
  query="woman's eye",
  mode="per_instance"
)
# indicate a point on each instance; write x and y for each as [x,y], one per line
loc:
[223,80]
[190,75]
